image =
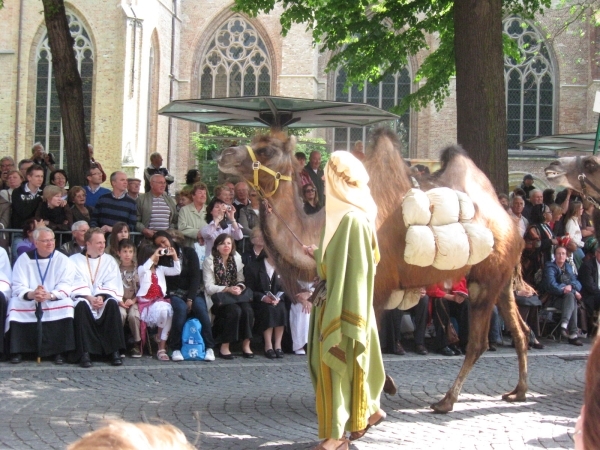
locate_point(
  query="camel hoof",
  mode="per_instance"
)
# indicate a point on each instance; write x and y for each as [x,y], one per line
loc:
[442,407]
[513,397]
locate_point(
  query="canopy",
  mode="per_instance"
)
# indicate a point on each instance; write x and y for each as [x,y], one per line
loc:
[276,112]
[575,141]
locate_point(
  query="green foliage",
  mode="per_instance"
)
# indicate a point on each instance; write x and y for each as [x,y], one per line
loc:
[309,145]
[214,138]
[371,39]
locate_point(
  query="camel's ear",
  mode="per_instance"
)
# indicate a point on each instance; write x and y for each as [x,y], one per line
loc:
[290,145]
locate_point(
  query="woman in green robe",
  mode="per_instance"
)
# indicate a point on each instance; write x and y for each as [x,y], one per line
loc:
[345,360]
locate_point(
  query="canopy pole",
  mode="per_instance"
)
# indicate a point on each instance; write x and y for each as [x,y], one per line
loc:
[597,137]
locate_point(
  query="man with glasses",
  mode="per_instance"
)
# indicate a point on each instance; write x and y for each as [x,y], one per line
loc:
[155,209]
[6,165]
[241,197]
[93,190]
[78,230]
[41,276]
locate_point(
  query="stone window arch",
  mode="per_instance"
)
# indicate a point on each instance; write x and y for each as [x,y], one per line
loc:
[529,84]
[386,94]
[48,123]
[236,62]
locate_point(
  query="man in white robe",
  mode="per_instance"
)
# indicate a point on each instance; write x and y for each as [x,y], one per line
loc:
[97,292]
[42,276]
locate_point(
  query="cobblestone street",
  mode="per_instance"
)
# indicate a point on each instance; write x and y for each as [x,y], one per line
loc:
[244,404]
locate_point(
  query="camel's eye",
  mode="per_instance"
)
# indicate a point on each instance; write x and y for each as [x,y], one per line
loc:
[265,152]
[590,165]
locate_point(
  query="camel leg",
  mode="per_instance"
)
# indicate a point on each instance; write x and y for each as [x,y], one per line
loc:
[519,331]
[479,326]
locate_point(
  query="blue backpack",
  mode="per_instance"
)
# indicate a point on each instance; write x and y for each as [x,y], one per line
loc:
[193,348]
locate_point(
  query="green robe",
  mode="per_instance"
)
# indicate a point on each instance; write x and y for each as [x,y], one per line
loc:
[344,355]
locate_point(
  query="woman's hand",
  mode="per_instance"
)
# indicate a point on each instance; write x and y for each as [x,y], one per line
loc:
[230,213]
[173,253]
[235,290]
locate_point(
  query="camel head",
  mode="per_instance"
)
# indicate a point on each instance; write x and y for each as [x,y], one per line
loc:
[567,171]
[273,151]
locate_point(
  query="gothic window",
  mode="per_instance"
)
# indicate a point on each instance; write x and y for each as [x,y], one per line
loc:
[388,93]
[529,85]
[236,63]
[48,123]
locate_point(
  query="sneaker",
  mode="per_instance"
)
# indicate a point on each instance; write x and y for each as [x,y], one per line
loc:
[210,355]
[135,353]
[177,356]
[300,352]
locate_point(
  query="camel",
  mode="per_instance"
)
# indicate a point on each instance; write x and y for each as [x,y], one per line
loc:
[489,281]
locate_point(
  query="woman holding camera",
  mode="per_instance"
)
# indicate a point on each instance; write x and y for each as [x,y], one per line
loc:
[220,219]
[224,285]
[155,309]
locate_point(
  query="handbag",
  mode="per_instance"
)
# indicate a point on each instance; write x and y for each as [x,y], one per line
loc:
[225,298]
[451,334]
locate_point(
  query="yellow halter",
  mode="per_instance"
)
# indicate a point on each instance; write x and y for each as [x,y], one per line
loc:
[256,166]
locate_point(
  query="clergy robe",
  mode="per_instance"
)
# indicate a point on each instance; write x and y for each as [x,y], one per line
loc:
[344,355]
[57,321]
[98,331]
[5,291]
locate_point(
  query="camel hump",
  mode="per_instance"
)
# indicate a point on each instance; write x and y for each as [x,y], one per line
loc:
[451,152]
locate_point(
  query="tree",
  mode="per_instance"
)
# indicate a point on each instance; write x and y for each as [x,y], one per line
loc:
[69,89]
[372,39]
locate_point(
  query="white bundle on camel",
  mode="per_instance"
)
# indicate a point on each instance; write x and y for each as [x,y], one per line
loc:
[403,299]
[448,240]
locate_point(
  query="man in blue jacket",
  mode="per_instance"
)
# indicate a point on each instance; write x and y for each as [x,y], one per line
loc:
[562,285]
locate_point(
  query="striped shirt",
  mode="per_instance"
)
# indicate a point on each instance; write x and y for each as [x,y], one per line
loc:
[161,213]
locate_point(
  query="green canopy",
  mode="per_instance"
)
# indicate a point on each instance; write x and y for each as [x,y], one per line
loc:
[276,112]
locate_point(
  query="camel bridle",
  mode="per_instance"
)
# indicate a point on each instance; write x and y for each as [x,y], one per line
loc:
[256,166]
[584,181]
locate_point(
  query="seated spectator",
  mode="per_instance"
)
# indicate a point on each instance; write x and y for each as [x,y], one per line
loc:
[220,219]
[14,180]
[240,200]
[495,333]
[185,293]
[59,178]
[270,312]
[192,177]
[115,206]
[6,165]
[79,210]
[311,199]
[224,193]
[155,309]
[516,212]
[77,244]
[450,300]
[563,288]
[131,285]
[46,277]
[54,211]
[28,242]
[528,304]
[587,221]
[192,217]
[183,198]
[539,241]
[503,199]
[120,231]
[249,217]
[97,293]
[555,223]
[420,313]
[5,292]
[256,247]
[223,273]
[25,200]
[572,222]
[590,290]
[155,209]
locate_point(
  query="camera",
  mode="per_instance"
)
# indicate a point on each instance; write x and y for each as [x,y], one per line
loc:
[228,207]
[163,251]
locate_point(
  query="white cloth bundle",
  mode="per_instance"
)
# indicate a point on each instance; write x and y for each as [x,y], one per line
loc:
[403,299]
[452,245]
[420,246]
[467,209]
[444,206]
[416,208]
[481,242]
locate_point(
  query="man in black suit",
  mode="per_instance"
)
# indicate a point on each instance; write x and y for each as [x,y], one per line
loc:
[588,277]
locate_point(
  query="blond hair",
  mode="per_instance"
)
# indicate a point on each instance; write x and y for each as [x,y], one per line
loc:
[51,191]
[133,436]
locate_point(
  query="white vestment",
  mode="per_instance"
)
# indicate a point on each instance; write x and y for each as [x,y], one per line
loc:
[5,274]
[26,277]
[106,275]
